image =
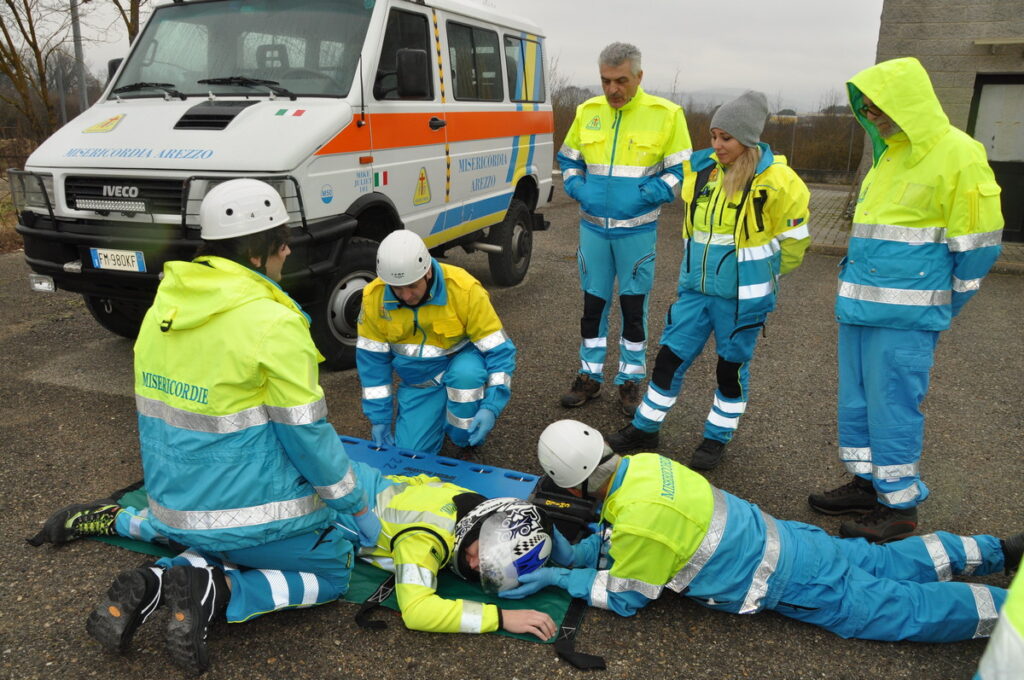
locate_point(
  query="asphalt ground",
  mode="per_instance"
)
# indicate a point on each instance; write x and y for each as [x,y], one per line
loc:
[68,435]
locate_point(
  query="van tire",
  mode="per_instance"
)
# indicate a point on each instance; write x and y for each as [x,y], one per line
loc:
[515,237]
[335,317]
[117,316]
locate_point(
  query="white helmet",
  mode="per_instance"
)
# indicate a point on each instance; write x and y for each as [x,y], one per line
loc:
[515,539]
[569,452]
[240,207]
[402,258]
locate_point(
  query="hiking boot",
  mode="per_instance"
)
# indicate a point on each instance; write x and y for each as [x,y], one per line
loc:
[881,525]
[629,397]
[856,497]
[1013,550]
[132,598]
[631,438]
[584,388]
[195,596]
[78,521]
[708,455]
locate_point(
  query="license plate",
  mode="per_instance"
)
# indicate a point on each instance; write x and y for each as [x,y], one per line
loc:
[121,260]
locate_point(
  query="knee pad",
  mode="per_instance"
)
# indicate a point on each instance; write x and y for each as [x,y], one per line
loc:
[593,307]
[665,367]
[633,317]
[728,373]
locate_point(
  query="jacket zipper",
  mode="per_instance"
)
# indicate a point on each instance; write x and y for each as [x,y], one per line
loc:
[611,163]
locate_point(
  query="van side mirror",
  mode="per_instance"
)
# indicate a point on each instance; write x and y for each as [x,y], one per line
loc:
[112,67]
[413,73]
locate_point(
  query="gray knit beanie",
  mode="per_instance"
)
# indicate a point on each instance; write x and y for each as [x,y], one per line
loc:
[743,117]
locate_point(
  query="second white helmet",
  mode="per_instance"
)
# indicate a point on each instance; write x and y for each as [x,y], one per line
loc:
[569,452]
[240,207]
[402,258]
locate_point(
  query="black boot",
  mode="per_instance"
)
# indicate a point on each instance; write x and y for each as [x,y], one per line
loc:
[708,455]
[195,597]
[133,596]
[1013,550]
[853,497]
[881,525]
[630,437]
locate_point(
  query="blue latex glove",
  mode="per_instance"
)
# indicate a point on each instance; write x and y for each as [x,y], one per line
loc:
[381,434]
[561,549]
[481,426]
[369,527]
[537,580]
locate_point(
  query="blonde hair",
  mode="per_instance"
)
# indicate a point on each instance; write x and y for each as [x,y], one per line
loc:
[741,170]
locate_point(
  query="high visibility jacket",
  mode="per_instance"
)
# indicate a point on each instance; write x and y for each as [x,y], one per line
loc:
[236,447]
[416,541]
[739,251]
[417,342]
[622,164]
[1004,655]
[928,223]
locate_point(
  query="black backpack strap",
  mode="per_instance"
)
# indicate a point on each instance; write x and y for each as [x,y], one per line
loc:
[759,200]
[566,642]
[698,186]
[378,597]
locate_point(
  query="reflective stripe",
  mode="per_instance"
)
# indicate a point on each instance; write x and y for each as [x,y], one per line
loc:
[572,172]
[310,588]
[798,233]
[632,346]
[194,558]
[660,399]
[278,587]
[372,345]
[489,342]
[433,382]
[235,518]
[851,453]
[599,591]
[339,489]
[894,472]
[591,343]
[408,517]
[966,285]
[378,392]
[727,422]
[630,171]
[465,396]
[676,158]
[894,232]
[858,467]
[708,544]
[759,586]
[622,585]
[671,180]
[587,367]
[939,556]
[972,555]
[631,369]
[986,607]
[901,496]
[570,153]
[306,414]
[960,244]
[756,290]
[135,523]
[607,222]
[498,379]
[415,575]
[713,238]
[199,422]
[455,421]
[472,620]
[894,296]
[425,351]
[736,407]
[754,253]
[650,413]
[1004,653]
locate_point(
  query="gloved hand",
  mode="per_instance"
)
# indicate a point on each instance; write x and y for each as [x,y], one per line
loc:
[537,580]
[481,425]
[561,549]
[368,525]
[381,434]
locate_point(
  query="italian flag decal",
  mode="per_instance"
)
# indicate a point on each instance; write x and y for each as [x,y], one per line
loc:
[795,223]
[380,179]
[290,112]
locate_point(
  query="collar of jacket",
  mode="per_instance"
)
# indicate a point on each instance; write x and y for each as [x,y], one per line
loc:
[706,157]
[437,295]
[902,89]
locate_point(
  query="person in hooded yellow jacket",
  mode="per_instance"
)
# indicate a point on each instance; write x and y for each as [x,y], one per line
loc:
[926,231]
[1004,655]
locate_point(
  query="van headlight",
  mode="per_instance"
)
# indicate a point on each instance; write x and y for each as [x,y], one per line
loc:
[31,191]
[199,187]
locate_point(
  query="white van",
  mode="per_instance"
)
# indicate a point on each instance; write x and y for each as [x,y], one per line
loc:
[368,116]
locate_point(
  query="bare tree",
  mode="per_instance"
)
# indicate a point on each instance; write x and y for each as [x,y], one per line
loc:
[130,12]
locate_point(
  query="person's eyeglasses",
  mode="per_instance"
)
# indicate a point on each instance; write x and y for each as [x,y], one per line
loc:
[865,109]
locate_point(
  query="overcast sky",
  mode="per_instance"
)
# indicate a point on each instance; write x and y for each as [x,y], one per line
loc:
[795,51]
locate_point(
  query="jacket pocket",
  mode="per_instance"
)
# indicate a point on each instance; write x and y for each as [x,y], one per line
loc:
[592,145]
[449,327]
[644,148]
[984,206]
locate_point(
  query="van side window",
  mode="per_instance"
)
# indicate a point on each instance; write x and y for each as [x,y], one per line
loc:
[475,63]
[525,69]
[405,30]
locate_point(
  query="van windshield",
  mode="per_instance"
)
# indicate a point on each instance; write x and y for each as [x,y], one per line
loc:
[309,48]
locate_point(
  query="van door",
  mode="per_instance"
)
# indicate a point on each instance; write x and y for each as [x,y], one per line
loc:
[408,126]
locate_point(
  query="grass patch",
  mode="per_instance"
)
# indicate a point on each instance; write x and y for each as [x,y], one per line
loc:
[10,240]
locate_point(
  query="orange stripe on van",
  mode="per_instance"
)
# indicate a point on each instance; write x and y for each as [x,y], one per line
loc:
[399,130]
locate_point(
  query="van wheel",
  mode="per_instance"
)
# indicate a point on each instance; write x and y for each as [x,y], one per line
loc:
[514,236]
[120,317]
[336,317]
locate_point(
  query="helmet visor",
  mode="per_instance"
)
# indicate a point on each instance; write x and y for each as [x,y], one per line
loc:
[508,548]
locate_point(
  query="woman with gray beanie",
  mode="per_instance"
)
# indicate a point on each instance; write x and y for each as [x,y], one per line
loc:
[745,225]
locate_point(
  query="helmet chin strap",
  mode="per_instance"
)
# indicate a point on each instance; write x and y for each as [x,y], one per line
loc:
[604,470]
